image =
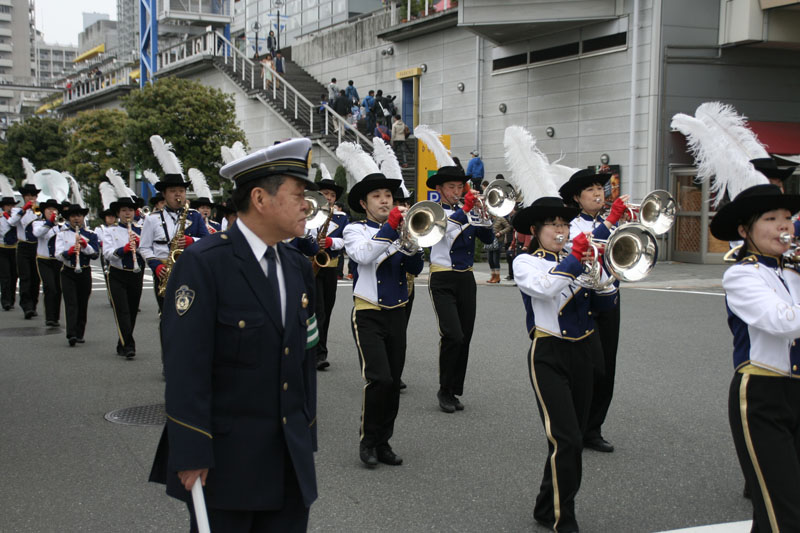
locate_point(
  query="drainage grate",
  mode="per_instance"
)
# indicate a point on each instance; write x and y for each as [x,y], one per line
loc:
[30,332]
[143,415]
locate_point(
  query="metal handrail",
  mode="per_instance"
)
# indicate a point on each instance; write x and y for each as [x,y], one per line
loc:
[289,91]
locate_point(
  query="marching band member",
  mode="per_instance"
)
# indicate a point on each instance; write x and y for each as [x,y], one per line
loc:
[226,211]
[241,377]
[157,203]
[379,295]
[333,244]
[126,266]
[8,246]
[403,198]
[762,296]
[559,318]
[203,202]
[452,283]
[160,227]
[585,189]
[76,245]
[109,218]
[22,218]
[47,263]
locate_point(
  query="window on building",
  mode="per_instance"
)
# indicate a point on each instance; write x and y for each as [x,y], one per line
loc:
[5,9]
[555,52]
[604,43]
[510,61]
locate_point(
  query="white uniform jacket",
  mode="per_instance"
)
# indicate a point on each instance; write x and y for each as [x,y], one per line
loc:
[555,304]
[763,302]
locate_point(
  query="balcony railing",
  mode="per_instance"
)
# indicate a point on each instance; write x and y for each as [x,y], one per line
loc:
[84,86]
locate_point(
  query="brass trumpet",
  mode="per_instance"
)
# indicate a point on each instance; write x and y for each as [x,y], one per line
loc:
[630,254]
[498,199]
[424,224]
[318,209]
[145,211]
[657,211]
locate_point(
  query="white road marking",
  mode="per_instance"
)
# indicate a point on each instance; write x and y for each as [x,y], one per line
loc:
[680,291]
[730,527]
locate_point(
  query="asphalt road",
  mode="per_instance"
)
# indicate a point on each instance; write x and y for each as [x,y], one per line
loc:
[65,468]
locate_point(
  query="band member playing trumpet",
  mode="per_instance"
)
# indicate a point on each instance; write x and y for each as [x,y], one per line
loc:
[76,246]
[125,273]
[203,202]
[562,351]
[8,246]
[330,241]
[452,283]
[380,294]
[586,190]
[22,218]
[47,263]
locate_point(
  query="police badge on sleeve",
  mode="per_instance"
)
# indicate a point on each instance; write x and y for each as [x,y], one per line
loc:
[184,297]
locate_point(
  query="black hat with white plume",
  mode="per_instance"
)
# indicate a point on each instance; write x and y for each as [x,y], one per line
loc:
[448,171]
[365,173]
[173,170]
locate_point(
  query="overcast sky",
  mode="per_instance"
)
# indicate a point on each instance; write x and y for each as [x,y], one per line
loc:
[62,20]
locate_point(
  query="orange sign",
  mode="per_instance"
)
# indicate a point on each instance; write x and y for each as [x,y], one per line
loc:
[426,167]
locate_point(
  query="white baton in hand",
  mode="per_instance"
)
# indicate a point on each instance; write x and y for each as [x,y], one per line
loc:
[200,507]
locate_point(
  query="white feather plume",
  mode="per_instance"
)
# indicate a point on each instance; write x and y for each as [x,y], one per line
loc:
[107,194]
[75,190]
[151,176]
[116,181]
[326,174]
[734,126]
[530,171]
[199,184]
[166,157]
[721,150]
[227,154]
[238,150]
[30,170]
[357,162]
[434,143]
[6,190]
[386,159]
[561,173]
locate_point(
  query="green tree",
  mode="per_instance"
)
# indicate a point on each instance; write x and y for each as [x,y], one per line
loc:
[96,142]
[196,119]
[40,140]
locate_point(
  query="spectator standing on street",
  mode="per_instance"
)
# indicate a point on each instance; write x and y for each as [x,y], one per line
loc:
[475,169]
[399,139]
[333,90]
[351,92]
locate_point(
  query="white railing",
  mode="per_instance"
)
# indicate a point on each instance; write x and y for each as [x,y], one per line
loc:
[188,50]
[83,86]
[319,119]
[195,7]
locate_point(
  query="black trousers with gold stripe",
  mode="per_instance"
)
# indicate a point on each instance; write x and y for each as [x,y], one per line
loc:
[381,341]
[125,289]
[764,414]
[454,302]
[561,375]
[50,273]
[605,371]
[77,288]
[8,277]
[28,275]
[326,281]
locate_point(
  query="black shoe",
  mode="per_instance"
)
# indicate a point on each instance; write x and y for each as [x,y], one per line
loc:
[52,323]
[322,365]
[598,444]
[509,278]
[80,340]
[403,385]
[368,456]
[8,307]
[72,341]
[457,403]
[29,314]
[130,354]
[445,401]
[387,456]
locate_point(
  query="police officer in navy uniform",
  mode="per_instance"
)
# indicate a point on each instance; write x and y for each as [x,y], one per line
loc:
[585,190]
[160,227]
[8,251]
[452,283]
[125,272]
[76,284]
[22,218]
[326,277]
[239,338]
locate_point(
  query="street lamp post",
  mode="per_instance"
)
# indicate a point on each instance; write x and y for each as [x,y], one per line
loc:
[256,27]
[278,4]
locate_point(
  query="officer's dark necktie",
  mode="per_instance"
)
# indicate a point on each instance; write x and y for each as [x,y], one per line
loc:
[272,280]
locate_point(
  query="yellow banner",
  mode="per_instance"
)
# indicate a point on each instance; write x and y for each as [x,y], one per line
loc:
[426,167]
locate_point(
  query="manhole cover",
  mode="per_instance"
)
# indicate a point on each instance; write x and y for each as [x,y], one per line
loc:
[143,415]
[30,332]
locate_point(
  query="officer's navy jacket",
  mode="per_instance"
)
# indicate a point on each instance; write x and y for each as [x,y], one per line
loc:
[241,387]
[763,301]
[555,304]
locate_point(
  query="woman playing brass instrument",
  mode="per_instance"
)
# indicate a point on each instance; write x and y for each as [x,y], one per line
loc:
[586,191]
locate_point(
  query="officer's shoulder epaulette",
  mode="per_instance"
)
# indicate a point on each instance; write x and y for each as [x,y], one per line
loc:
[212,241]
